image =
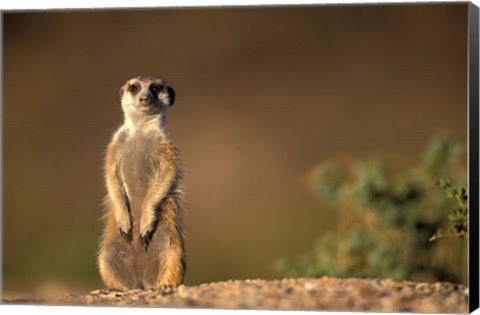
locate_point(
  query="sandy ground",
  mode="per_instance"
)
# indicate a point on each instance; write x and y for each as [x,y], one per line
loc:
[288,294]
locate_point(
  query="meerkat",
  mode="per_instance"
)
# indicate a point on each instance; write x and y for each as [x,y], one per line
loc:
[142,245]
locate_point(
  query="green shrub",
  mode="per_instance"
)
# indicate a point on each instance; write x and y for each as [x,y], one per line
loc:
[386,216]
[458,218]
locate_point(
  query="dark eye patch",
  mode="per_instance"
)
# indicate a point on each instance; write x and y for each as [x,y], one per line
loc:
[155,88]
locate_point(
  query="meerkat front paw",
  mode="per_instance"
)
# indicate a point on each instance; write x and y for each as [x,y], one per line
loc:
[146,238]
[126,235]
[147,227]
[125,227]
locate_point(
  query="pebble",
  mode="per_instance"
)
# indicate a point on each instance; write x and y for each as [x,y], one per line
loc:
[311,287]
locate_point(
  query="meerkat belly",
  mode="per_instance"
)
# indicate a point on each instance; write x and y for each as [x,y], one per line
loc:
[138,172]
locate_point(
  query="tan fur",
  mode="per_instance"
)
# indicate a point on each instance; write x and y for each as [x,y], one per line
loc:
[142,245]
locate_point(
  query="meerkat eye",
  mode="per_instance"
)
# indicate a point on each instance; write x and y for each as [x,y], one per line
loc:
[156,89]
[133,88]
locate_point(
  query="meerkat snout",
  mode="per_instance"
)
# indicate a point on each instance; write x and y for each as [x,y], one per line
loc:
[144,99]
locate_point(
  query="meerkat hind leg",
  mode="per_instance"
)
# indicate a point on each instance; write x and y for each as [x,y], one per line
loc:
[172,266]
[164,259]
[152,261]
[117,267]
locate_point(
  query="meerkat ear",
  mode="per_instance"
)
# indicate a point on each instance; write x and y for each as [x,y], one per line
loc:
[171,95]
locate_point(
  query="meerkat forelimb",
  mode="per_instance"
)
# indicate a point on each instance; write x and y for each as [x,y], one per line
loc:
[164,179]
[116,190]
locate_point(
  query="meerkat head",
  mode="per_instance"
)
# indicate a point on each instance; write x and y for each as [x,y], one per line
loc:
[145,96]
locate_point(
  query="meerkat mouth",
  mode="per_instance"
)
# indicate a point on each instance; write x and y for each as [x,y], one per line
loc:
[149,108]
[146,104]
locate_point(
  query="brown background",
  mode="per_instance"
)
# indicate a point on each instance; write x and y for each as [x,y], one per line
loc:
[263,94]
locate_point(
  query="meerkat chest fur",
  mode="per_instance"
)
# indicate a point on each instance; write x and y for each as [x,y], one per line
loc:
[145,155]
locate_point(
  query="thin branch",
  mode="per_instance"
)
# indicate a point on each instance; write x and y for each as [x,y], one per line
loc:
[437,236]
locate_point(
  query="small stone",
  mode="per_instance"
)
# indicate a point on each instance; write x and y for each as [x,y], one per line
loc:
[311,287]
[288,290]
[88,299]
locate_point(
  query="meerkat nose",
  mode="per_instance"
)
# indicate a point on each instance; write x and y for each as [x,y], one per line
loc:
[143,98]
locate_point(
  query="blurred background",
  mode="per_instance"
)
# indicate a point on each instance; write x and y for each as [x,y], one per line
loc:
[264,95]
